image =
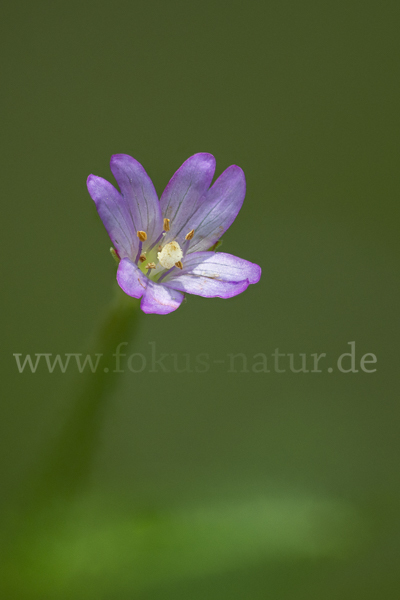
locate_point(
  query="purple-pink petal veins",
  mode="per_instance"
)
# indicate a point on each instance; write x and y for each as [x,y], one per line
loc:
[113,212]
[140,196]
[131,279]
[184,193]
[159,299]
[213,274]
[190,213]
[227,266]
[219,209]
[207,287]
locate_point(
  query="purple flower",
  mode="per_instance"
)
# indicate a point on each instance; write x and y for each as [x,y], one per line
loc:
[164,245]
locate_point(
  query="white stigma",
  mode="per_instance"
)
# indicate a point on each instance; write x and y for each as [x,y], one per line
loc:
[170,254]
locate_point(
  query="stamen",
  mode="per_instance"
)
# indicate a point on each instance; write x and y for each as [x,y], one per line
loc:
[185,247]
[157,241]
[142,257]
[163,275]
[166,224]
[150,265]
[139,252]
[142,235]
[179,264]
[186,243]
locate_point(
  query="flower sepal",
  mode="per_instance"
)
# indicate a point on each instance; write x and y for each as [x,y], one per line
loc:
[115,255]
[214,247]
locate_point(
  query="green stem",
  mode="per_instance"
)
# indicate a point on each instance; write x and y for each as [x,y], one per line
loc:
[70,459]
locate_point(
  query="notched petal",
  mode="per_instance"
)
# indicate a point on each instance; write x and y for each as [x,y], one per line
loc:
[113,212]
[185,190]
[219,209]
[140,195]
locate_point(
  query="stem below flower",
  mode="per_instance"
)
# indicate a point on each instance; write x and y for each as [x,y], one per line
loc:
[69,461]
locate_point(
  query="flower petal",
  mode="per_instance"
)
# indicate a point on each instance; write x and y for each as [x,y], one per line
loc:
[212,274]
[140,196]
[181,197]
[226,266]
[219,209]
[131,279]
[113,212]
[159,299]
[206,287]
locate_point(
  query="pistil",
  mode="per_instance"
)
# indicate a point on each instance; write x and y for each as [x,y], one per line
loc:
[170,255]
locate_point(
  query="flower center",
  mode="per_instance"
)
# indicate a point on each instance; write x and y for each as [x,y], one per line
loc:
[170,255]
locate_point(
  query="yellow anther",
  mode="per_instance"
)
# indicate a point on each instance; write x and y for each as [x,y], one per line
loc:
[142,235]
[179,264]
[166,225]
[189,235]
[150,265]
[142,257]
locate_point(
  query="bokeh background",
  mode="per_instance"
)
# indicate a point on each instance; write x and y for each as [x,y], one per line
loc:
[217,484]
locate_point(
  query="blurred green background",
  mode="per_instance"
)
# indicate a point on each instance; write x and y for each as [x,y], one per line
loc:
[205,485]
